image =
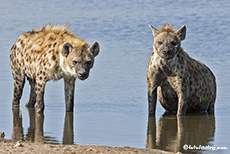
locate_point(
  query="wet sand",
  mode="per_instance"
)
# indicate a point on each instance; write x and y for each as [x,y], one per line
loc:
[8,146]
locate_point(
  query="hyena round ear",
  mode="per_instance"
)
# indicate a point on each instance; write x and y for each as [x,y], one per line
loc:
[66,49]
[154,30]
[182,32]
[95,49]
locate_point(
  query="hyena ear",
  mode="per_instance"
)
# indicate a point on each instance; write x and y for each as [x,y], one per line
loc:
[94,48]
[182,32]
[66,49]
[154,30]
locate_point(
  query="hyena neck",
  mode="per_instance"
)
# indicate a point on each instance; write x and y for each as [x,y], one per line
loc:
[167,65]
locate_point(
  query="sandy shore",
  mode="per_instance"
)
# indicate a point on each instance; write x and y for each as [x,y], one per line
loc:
[7,146]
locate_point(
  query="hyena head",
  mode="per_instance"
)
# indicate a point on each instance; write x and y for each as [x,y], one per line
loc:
[79,60]
[167,41]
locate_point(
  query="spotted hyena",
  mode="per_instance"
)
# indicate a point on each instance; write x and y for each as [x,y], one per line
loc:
[50,53]
[183,84]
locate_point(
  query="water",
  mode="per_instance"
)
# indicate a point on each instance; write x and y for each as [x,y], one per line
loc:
[111,105]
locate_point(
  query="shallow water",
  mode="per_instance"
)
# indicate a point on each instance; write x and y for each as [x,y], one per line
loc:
[111,105]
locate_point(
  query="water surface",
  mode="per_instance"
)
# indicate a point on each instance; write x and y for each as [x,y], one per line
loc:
[111,105]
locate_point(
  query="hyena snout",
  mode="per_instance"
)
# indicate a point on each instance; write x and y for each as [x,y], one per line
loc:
[83,74]
[168,52]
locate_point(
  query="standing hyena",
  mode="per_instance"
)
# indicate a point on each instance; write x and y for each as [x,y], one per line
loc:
[50,53]
[184,84]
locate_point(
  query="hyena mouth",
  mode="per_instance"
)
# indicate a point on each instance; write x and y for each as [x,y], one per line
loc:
[82,78]
[167,57]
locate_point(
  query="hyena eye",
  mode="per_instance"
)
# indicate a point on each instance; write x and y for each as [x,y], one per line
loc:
[75,62]
[174,43]
[160,42]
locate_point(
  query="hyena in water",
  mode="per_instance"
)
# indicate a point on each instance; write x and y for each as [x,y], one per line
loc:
[50,53]
[184,84]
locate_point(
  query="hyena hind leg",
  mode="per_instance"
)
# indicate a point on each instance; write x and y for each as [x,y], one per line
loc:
[211,108]
[32,98]
[19,82]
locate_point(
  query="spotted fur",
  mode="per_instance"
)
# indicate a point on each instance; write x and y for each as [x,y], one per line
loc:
[49,53]
[184,84]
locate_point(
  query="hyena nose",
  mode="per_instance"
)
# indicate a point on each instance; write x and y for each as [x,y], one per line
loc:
[82,74]
[165,52]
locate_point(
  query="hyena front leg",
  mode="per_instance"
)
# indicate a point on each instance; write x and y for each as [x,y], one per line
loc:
[19,82]
[152,99]
[69,93]
[32,98]
[153,80]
